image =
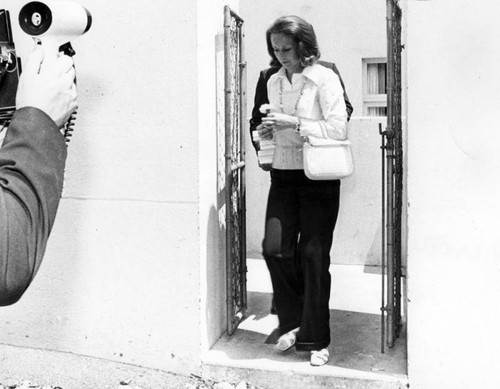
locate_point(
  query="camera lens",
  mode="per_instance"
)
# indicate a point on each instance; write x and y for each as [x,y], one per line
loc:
[36,19]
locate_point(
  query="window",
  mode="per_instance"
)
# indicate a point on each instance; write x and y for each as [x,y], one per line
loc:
[374,87]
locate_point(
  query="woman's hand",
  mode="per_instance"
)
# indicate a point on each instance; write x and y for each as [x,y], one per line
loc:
[279,121]
[265,131]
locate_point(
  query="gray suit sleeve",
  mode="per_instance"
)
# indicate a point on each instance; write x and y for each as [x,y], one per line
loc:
[32,161]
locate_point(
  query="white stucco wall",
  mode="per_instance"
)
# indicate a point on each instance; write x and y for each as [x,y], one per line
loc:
[212,167]
[347,31]
[453,191]
[132,269]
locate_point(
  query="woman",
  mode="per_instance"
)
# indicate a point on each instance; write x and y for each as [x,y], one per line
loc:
[307,100]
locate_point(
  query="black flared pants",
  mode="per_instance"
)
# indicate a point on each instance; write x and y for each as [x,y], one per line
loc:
[300,219]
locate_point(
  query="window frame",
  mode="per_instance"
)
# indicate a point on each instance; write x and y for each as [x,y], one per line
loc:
[371,100]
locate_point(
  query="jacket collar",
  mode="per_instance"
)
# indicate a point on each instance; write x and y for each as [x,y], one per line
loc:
[312,72]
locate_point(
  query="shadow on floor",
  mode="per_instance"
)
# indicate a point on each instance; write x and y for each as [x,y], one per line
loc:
[356,340]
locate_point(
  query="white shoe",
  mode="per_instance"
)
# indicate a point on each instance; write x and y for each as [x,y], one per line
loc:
[286,341]
[319,357]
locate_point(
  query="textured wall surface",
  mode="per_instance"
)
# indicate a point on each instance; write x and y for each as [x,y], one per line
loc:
[122,275]
[453,191]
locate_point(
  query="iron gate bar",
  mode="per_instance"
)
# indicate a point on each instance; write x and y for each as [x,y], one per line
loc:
[241,164]
[398,172]
[389,132]
[398,166]
[382,307]
[234,170]
[394,170]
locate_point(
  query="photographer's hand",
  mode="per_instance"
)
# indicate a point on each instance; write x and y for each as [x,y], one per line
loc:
[49,87]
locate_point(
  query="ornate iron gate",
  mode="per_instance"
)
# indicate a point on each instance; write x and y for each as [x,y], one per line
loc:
[392,189]
[235,108]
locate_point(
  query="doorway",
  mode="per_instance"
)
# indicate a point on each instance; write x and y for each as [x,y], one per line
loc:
[357,351]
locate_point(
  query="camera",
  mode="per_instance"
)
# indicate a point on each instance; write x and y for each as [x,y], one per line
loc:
[52,24]
[10,68]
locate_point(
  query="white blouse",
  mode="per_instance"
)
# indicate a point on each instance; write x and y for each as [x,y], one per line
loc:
[317,97]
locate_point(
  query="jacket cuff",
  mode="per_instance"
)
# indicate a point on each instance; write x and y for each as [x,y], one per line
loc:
[44,120]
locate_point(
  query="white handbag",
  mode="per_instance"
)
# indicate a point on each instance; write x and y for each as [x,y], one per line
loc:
[327,159]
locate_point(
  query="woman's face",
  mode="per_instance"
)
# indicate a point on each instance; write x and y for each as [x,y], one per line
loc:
[285,50]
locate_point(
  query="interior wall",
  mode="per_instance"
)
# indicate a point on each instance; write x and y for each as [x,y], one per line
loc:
[453,191]
[347,31]
[121,276]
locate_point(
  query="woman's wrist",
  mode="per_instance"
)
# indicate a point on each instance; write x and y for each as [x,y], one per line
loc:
[298,123]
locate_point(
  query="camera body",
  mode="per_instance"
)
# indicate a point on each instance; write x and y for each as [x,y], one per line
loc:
[10,68]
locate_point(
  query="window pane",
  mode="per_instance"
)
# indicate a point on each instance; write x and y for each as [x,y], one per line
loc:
[377,111]
[376,78]
[382,78]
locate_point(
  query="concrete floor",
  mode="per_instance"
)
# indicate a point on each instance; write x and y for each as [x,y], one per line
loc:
[70,371]
[356,360]
[249,355]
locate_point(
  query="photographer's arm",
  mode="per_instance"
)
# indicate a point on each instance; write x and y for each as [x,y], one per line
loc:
[32,161]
